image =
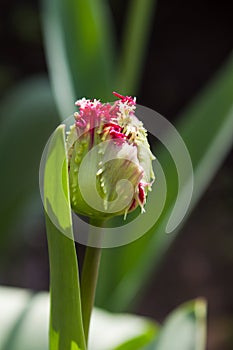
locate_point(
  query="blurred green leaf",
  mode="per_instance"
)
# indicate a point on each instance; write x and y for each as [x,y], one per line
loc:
[79,42]
[24,324]
[207,129]
[120,331]
[28,115]
[184,329]
[66,326]
[24,320]
[135,39]
[141,340]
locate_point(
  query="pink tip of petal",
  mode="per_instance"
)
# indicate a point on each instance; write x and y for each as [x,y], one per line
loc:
[118,95]
[127,99]
[113,126]
[117,135]
[81,123]
[141,193]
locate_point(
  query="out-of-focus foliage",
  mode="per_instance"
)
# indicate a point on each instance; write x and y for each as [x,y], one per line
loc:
[28,116]
[80,50]
[25,319]
[134,48]
[184,328]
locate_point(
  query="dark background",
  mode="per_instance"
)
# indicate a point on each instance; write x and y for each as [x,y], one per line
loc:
[190,40]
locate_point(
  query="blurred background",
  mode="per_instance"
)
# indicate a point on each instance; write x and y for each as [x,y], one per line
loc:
[188,45]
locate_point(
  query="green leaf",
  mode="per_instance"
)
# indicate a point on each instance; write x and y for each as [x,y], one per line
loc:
[28,115]
[135,39]
[207,129]
[185,328]
[24,322]
[141,340]
[79,42]
[66,326]
[120,331]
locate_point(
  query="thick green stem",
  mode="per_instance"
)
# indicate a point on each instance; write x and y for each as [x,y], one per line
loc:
[135,36]
[89,279]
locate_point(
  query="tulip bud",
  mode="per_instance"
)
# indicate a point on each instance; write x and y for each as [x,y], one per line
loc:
[110,162]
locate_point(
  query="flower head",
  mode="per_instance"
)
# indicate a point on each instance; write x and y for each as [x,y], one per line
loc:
[107,146]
